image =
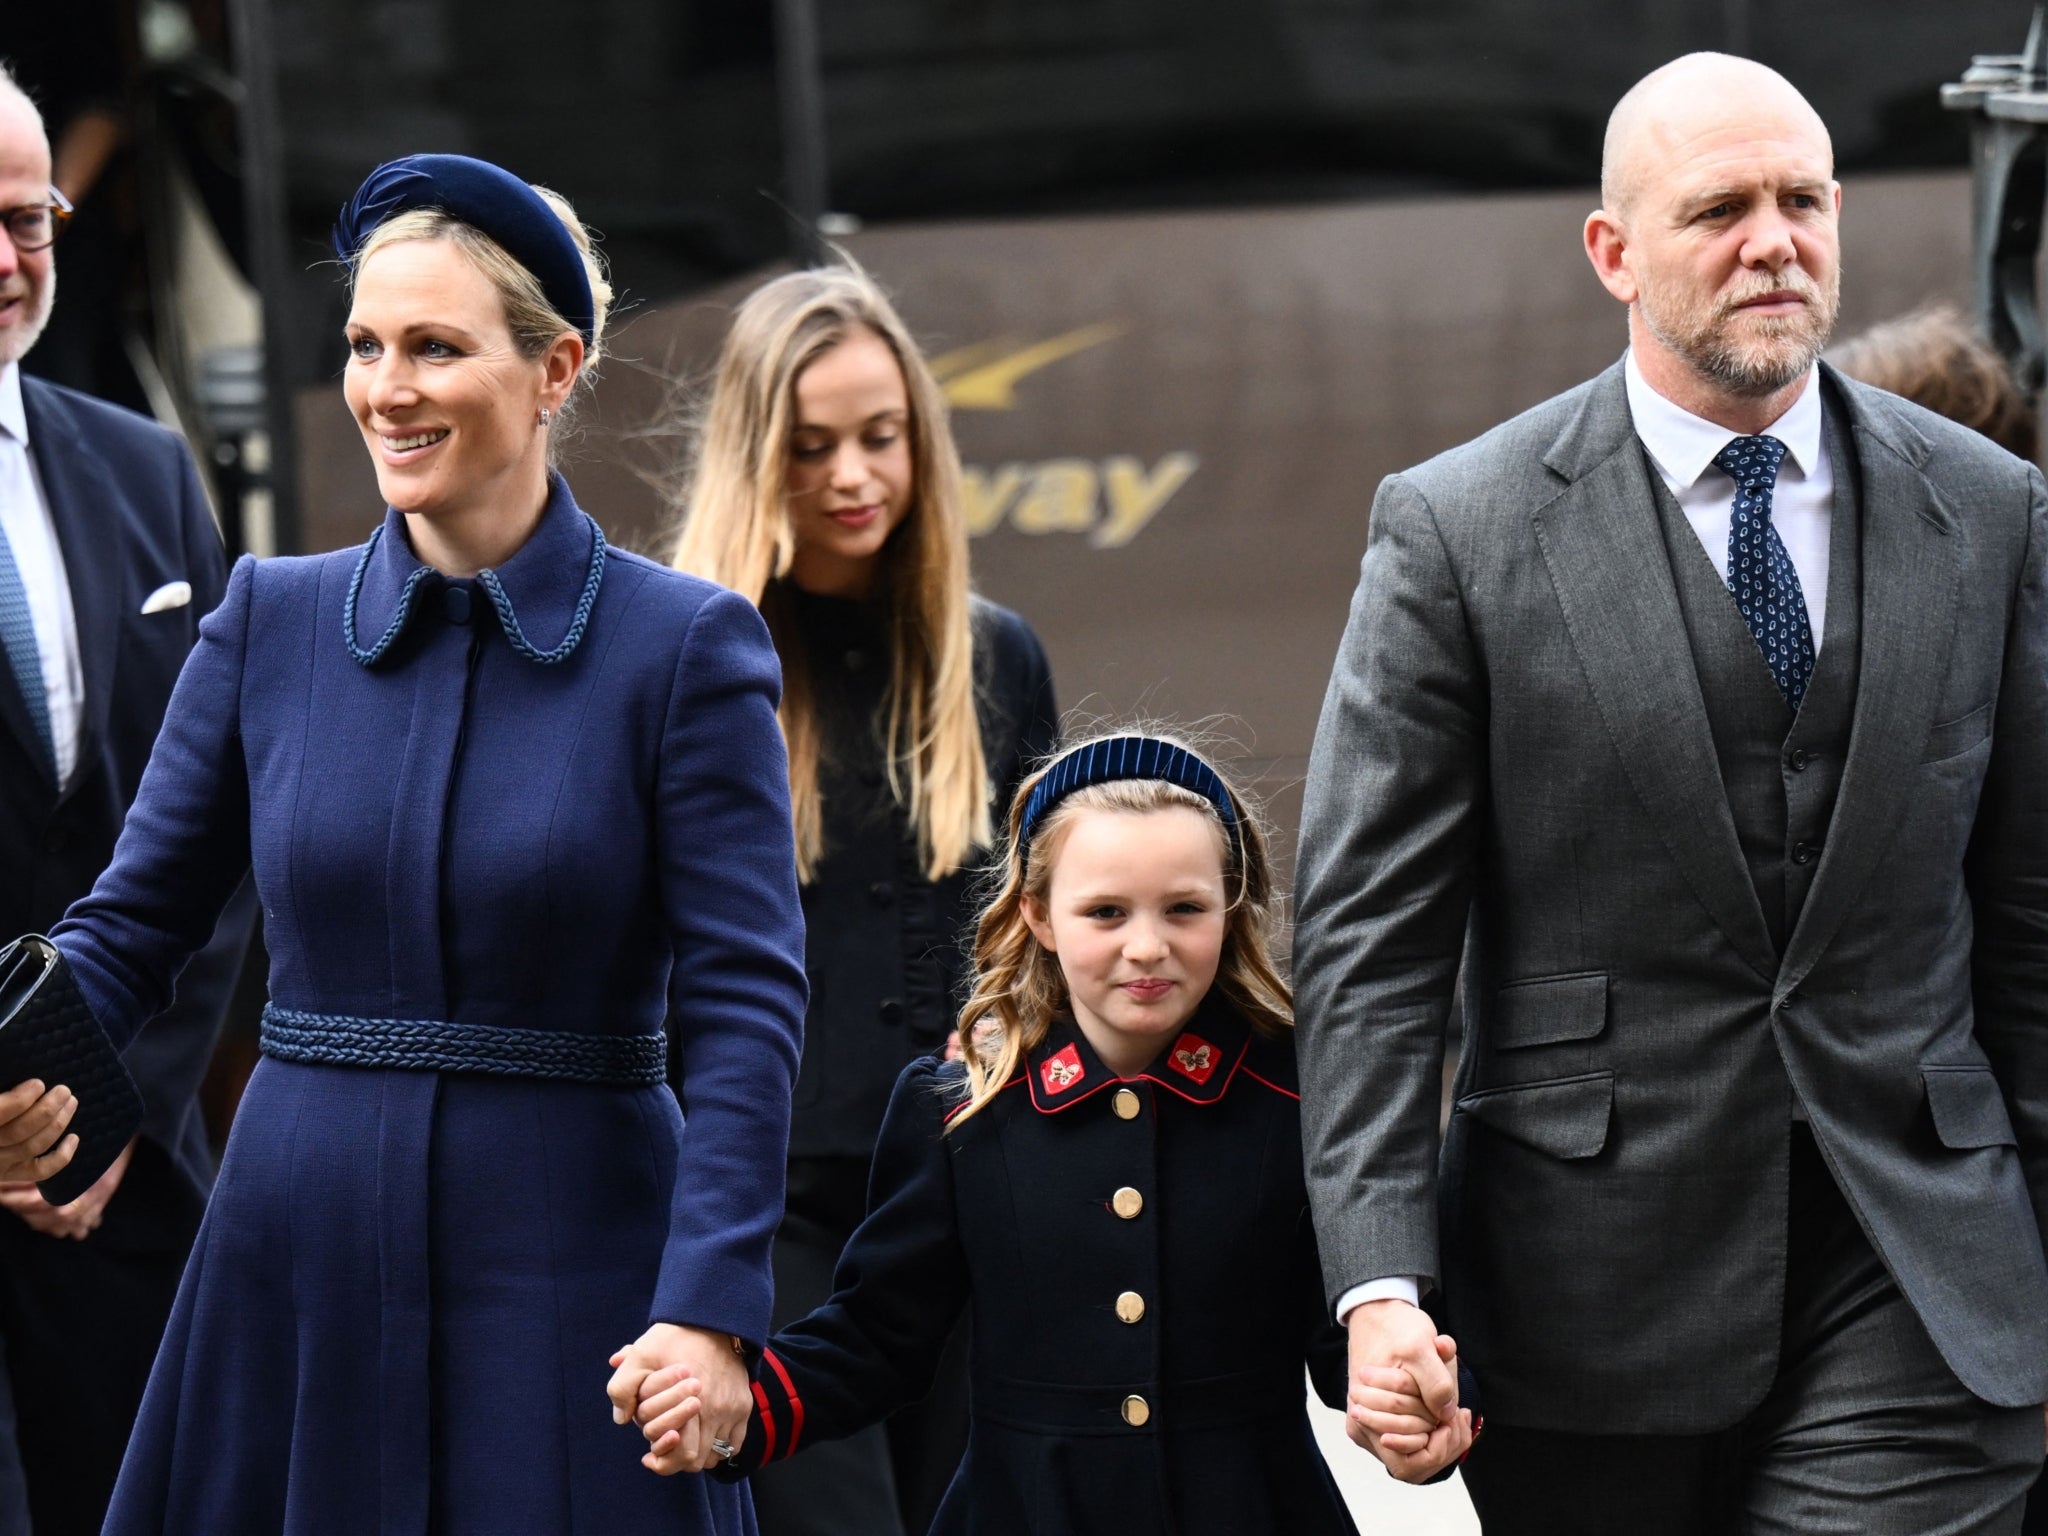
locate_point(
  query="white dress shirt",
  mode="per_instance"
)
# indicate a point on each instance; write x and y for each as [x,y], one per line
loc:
[1682,446]
[32,539]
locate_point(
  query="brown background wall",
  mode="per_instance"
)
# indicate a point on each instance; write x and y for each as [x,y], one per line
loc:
[1255,373]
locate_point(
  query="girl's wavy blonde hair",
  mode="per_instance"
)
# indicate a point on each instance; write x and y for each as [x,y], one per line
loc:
[737,531]
[1018,987]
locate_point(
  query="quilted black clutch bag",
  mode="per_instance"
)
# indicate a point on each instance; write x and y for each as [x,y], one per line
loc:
[47,1032]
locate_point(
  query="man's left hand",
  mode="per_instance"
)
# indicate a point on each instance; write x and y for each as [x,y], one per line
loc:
[78,1219]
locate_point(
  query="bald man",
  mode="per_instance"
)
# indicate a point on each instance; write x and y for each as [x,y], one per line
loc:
[1703,711]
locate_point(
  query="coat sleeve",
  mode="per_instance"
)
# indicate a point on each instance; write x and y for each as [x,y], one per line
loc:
[1325,1346]
[727,860]
[185,844]
[1389,838]
[169,1059]
[898,1291]
[2007,870]
[1038,730]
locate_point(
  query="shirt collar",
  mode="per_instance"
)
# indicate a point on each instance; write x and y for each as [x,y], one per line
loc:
[1063,1069]
[1684,445]
[544,583]
[13,414]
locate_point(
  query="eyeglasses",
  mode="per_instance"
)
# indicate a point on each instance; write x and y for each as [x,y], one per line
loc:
[39,224]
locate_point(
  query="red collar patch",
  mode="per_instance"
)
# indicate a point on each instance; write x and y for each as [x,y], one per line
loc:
[1061,1070]
[1193,1058]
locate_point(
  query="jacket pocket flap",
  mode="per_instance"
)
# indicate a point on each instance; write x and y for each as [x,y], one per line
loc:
[1566,1118]
[1954,737]
[1969,1111]
[1547,1011]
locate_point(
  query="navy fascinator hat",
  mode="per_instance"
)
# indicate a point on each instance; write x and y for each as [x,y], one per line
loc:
[488,199]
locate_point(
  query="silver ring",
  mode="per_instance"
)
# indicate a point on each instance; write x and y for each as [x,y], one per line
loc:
[724,1450]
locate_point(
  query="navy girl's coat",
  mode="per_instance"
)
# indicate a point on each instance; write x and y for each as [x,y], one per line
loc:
[398,1314]
[1145,1286]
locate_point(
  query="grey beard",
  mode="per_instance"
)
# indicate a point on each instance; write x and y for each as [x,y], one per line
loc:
[24,341]
[1757,373]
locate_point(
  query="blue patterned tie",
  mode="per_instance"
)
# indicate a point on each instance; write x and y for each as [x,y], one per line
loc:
[18,640]
[1760,573]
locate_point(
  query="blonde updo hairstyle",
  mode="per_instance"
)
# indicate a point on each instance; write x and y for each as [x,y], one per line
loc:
[533,321]
[1019,989]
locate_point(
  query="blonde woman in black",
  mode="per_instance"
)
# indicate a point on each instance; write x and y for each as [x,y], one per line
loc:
[828,490]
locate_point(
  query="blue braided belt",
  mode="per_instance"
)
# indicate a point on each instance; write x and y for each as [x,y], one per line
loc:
[433,1045]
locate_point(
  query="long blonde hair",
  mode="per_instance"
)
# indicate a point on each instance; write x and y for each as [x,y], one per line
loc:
[1018,987]
[737,532]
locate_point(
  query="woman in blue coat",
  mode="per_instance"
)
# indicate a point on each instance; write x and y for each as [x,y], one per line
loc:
[511,797]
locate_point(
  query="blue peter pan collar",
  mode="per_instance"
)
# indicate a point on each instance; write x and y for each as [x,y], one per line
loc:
[546,589]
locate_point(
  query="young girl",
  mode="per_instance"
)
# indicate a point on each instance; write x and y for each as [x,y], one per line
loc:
[828,491]
[1113,1175]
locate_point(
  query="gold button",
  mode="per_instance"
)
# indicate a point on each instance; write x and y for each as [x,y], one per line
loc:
[1130,1306]
[1127,1202]
[1136,1411]
[1125,1103]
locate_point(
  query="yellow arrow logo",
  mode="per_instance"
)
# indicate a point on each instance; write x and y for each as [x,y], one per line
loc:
[984,377]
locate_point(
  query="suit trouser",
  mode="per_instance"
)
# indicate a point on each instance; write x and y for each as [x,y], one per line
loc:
[1865,1432]
[887,1480]
[81,1322]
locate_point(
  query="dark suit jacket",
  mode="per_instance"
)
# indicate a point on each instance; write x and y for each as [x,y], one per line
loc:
[130,518]
[1514,763]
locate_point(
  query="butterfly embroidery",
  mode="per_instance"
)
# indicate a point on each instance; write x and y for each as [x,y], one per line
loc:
[1061,1070]
[1194,1059]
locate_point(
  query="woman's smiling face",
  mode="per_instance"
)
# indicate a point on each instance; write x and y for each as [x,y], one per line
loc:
[448,407]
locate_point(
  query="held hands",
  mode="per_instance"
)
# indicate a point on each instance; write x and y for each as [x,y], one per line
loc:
[33,1143]
[1404,1391]
[685,1388]
[78,1219]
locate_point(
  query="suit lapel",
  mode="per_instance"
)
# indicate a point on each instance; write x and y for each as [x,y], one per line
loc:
[84,507]
[1606,558]
[1908,615]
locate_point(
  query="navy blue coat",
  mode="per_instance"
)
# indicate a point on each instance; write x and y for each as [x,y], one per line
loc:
[400,1306]
[1146,1292]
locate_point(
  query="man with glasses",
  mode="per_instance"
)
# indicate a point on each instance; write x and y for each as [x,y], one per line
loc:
[108,558]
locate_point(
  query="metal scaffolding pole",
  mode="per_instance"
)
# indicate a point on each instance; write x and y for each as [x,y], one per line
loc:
[2007,97]
[800,85]
[269,255]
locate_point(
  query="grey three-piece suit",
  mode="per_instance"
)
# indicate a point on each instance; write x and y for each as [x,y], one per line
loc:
[1687,919]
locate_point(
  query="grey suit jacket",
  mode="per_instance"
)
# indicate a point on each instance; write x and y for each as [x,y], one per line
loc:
[1514,764]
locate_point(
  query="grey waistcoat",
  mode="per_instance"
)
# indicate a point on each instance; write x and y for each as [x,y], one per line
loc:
[1781,774]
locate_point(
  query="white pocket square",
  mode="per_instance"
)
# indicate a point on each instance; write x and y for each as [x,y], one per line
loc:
[172,594]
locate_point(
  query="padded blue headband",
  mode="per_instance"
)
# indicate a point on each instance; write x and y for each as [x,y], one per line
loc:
[488,199]
[1126,757]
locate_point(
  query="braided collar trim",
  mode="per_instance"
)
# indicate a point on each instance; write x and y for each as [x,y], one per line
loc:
[537,570]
